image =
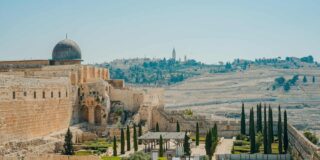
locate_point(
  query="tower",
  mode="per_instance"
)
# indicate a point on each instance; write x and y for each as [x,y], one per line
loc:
[174,54]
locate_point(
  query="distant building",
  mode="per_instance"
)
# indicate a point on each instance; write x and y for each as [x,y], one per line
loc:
[174,55]
[185,58]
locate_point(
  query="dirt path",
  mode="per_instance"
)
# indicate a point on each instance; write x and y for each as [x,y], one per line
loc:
[224,147]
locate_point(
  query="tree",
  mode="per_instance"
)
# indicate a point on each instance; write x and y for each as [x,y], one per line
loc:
[215,133]
[140,132]
[157,127]
[128,139]
[186,145]
[305,80]
[286,86]
[135,138]
[243,121]
[280,132]
[160,147]
[122,141]
[208,144]
[265,131]
[197,134]
[178,127]
[311,137]
[285,133]
[270,126]
[114,146]
[313,79]
[68,145]
[252,133]
[280,81]
[259,118]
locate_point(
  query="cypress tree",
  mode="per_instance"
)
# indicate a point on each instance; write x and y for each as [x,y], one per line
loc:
[128,139]
[243,121]
[265,131]
[68,145]
[270,127]
[280,132]
[252,133]
[160,147]
[259,118]
[285,133]
[215,132]
[140,132]
[186,145]
[208,144]
[122,141]
[305,80]
[114,146]
[197,134]
[313,79]
[135,141]
[178,127]
[157,127]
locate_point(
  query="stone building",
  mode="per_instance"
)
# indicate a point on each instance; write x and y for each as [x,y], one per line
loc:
[40,97]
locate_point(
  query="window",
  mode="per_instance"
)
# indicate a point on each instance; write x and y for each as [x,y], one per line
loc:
[66,94]
[14,95]
[51,94]
[43,94]
[25,94]
[59,94]
[34,95]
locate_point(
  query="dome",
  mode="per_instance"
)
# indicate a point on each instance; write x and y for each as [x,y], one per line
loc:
[66,49]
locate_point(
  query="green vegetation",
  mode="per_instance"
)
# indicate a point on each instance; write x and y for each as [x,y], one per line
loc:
[114,146]
[188,112]
[211,141]
[96,144]
[178,127]
[162,158]
[280,131]
[243,121]
[83,153]
[135,138]
[110,158]
[311,137]
[160,147]
[285,132]
[140,132]
[138,156]
[186,145]
[157,127]
[259,118]
[252,133]
[128,138]
[68,145]
[265,131]
[305,80]
[243,146]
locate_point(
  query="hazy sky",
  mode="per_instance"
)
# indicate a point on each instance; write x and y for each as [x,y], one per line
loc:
[209,31]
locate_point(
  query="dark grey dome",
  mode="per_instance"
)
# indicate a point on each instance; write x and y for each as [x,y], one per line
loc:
[66,49]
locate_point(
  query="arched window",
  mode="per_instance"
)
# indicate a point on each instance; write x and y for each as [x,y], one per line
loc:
[43,94]
[13,95]
[34,94]
[51,94]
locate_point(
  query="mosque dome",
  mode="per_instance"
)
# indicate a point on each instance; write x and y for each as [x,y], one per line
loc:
[66,49]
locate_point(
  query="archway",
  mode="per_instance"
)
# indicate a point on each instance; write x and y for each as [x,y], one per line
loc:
[97,115]
[84,114]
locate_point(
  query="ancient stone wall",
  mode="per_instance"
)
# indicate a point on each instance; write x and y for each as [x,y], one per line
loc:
[33,107]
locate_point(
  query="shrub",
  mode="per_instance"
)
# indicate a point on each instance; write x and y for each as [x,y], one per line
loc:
[311,137]
[241,137]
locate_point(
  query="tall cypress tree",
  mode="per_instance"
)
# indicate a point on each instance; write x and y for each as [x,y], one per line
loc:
[259,118]
[122,141]
[270,127]
[178,127]
[160,147]
[280,147]
[208,144]
[157,127]
[285,133]
[128,139]
[114,146]
[140,132]
[186,145]
[135,138]
[68,145]
[265,131]
[252,133]
[215,132]
[197,134]
[243,121]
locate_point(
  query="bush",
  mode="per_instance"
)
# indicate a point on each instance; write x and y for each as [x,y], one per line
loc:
[280,81]
[311,137]
[241,137]
[238,143]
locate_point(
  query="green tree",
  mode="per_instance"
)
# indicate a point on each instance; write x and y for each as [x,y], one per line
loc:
[280,147]
[186,145]
[305,80]
[68,145]
[313,79]
[197,134]
[259,141]
[265,131]
[286,86]
[243,121]
[208,144]
[259,118]
[128,139]
[122,141]
[311,137]
[215,133]
[135,138]
[160,147]
[285,133]
[270,125]
[140,132]
[178,127]
[252,133]
[114,146]
[157,127]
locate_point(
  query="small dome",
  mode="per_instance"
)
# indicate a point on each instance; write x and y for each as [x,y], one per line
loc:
[66,49]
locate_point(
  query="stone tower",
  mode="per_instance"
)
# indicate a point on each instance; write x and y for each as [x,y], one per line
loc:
[174,54]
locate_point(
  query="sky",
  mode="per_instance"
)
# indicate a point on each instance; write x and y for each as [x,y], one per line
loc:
[206,30]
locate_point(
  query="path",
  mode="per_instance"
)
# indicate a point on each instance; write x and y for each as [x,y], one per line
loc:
[224,146]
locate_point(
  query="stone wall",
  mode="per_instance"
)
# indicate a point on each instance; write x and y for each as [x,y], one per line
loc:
[32,107]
